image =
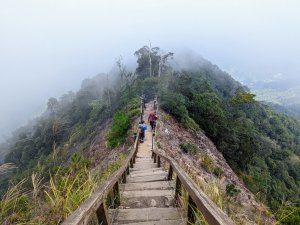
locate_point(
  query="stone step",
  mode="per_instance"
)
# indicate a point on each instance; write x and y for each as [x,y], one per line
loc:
[152,215]
[160,185]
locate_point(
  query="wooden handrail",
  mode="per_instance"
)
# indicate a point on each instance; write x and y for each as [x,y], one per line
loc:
[95,202]
[212,214]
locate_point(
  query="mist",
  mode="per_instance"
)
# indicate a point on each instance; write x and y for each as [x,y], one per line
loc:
[48,47]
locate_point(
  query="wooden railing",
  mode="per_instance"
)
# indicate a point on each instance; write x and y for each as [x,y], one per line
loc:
[196,198]
[95,204]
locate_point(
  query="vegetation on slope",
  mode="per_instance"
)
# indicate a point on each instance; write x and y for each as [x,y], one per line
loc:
[263,147]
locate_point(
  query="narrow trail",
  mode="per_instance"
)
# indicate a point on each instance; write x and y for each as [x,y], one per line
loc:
[147,197]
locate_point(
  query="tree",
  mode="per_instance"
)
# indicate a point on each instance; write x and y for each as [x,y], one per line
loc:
[151,61]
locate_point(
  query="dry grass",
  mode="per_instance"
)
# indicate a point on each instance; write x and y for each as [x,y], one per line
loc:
[6,167]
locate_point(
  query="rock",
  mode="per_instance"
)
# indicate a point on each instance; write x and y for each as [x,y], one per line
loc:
[153,203]
[168,201]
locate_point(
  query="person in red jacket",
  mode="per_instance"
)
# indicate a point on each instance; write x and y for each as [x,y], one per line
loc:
[152,120]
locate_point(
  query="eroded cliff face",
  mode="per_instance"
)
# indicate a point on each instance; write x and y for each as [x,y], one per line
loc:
[210,171]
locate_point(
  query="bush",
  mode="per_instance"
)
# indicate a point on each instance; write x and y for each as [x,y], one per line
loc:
[231,190]
[188,148]
[119,129]
[217,171]
[174,104]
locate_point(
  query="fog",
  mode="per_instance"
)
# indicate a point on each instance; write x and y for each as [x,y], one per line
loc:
[47,47]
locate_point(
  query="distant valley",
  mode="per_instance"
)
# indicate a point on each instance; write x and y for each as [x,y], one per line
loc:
[283,95]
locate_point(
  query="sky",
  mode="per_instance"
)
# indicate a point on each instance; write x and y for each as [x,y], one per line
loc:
[48,47]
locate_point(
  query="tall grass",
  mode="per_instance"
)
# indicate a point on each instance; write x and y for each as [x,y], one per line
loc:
[13,204]
[50,204]
[6,167]
[184,203]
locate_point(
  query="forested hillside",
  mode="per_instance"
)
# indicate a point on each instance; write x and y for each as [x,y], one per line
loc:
[261,146]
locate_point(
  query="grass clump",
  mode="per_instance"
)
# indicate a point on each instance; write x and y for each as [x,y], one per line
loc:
[118,130]
[188,148]
[207,163]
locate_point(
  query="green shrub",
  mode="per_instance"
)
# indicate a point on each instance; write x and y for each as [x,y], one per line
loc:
[188,148]
[231,190]
[217,171]
[119,129]
[133,113]
[174,104]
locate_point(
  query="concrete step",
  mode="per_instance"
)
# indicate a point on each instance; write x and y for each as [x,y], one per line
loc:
[163,222]
[148,198]
[141,158]
[145,170]
[150,215]
[149,178]
[146,173]
[147,193]
[160,185]
[147,202]
[143,167]
[144,163]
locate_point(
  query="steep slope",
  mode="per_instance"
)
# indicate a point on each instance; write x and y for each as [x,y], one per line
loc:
[261,148]
[210,170]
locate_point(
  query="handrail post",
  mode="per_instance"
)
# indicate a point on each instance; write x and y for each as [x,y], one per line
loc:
[158,161]
[170,174]
[177,191]
[131,163]
[101,214]
[127,170]
[152,141]
[116,195]
[191,209]
[133,158]
[124,177]
[154,158]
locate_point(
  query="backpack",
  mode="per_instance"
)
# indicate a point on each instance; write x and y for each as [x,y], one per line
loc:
[140,128]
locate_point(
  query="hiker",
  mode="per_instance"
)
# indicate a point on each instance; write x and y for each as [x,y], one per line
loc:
[152,119]
[142,129]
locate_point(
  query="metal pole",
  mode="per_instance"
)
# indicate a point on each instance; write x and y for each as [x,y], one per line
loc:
[142,108]
[152,141]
